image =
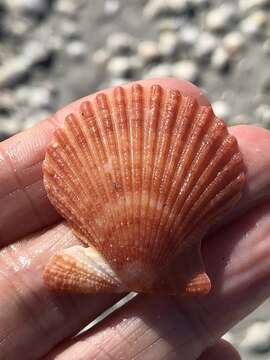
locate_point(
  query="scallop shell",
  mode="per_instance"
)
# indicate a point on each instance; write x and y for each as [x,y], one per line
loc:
[140,174]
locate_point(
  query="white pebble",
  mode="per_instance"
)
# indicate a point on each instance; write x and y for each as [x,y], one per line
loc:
[34,97]
[233,42]
[257,338]
[149,51]
[120,43]
[255,23]
[169,24]
[221,109]
[119,66]
[67,7]
[247,5]
[122,67]
[34,7]
[76,49]
[14,70]
[100,57]
[36,51]
[220,59]
[111,7]
[188,35]
[18,26]
[68,28]
[7,100]
[163,70]
[220,18]
[40,98]
[156,8]
[167,43]
[186,70]
[205,45]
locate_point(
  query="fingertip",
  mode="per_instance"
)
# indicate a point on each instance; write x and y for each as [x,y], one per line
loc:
[221,350]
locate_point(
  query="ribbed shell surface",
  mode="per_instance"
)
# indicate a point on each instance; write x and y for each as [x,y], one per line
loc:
[141,174]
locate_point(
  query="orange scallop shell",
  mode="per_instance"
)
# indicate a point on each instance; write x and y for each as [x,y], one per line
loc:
[140,175]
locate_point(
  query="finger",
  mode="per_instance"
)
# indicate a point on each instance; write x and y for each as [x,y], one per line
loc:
[237,261]
[22,194]
[222,350]
[254,143]
[32,318]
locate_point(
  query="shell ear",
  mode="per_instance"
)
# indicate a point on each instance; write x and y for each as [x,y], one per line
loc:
[187,275]
[81,270]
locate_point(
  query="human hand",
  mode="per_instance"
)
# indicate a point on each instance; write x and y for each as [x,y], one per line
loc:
[38,323]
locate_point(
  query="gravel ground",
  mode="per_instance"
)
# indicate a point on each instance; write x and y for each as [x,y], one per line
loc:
[54,51]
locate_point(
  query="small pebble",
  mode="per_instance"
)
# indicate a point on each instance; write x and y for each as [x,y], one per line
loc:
[77,50]
[233,42]
[169,24]
[111,7]
[221,18]
[255,23]
[162,70]
[156,8]
[186,70]
[205,46]
[32,7]
[67,7]
[119,67]
[7,102]
[120,43]
[68,28]
[18,26]
[41,98]
[36,51]
[221,109]
[257,339]
[101,56]
[220,59]
[13,70]
[247,5]
[167,43]
[149,51]
[188,35]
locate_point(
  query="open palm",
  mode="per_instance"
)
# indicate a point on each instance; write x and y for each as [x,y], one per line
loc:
[37,323]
